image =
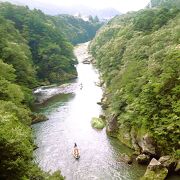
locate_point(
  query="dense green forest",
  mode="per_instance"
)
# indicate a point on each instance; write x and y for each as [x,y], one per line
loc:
[33,51]
[164,3]
[138,55]
[75,29]
[50,52]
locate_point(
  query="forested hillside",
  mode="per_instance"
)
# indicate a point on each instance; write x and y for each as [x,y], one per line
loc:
[33,51]
[50,52]
[164,3]
[138,55]
[76,29]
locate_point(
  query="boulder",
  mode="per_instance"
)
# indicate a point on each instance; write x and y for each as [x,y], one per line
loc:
[36,118]
[155,170]
[134,142]
[125,158]
[102,117]
[104,106]
[123,134]
[143,159]
[168,162]
[177,169]
[112,124]
[147,145]
[86,62]
[97,123]
[99,103]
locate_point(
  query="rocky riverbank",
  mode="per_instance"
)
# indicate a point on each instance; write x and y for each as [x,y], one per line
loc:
[45,93]
[146,148]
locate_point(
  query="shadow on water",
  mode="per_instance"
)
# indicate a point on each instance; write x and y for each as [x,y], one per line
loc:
[53,103]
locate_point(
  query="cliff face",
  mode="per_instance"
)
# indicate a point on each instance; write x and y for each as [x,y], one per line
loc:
[138,57]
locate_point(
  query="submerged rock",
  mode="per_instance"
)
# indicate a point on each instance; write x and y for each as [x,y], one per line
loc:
[86,62]
[99,103]
[36,118]
[125,158]
[155,170]
[143,159]
[97,123]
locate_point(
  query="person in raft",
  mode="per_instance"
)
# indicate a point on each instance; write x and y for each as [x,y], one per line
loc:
[76,151]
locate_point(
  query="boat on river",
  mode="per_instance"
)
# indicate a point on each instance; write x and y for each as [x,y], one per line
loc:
[76,155]
[75,152]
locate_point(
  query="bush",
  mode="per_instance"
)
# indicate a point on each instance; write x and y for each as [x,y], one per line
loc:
[97,123]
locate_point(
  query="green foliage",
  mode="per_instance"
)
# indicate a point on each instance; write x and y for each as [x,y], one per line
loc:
[76,29]
[9,90]
[138,57]
[165,3]
[32,50]
[35,44]
[97,123]
[151,20]
[15,147]
[15,51]
[16,151]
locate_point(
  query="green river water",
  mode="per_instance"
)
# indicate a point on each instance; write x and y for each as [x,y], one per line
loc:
[70,113]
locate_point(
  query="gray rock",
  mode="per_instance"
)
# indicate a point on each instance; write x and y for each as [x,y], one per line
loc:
[86,61]
[177,169]
[102,117]
[134,141]
[112,124]
[155,170]
[168,162]
[143,159]
[39,117]
[125,158]
[99,103]
[104,106]
[147,144]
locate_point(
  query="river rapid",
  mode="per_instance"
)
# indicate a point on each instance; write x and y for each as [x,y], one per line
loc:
[70,113]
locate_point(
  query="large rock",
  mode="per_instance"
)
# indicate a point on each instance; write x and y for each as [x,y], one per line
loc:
[125,158]
[104,104]
[112,124]
[38,117]
[124,135]
[155,171]
[177,169]
[168,162]
[143,159]
[134,141]
[147,145]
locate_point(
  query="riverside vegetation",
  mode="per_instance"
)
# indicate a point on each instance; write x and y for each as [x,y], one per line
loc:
[138,55]
[34,51]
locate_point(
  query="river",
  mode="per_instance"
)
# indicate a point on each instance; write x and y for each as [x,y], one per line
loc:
[70,115]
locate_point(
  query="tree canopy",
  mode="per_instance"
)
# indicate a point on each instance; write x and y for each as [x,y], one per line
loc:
[138,55]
